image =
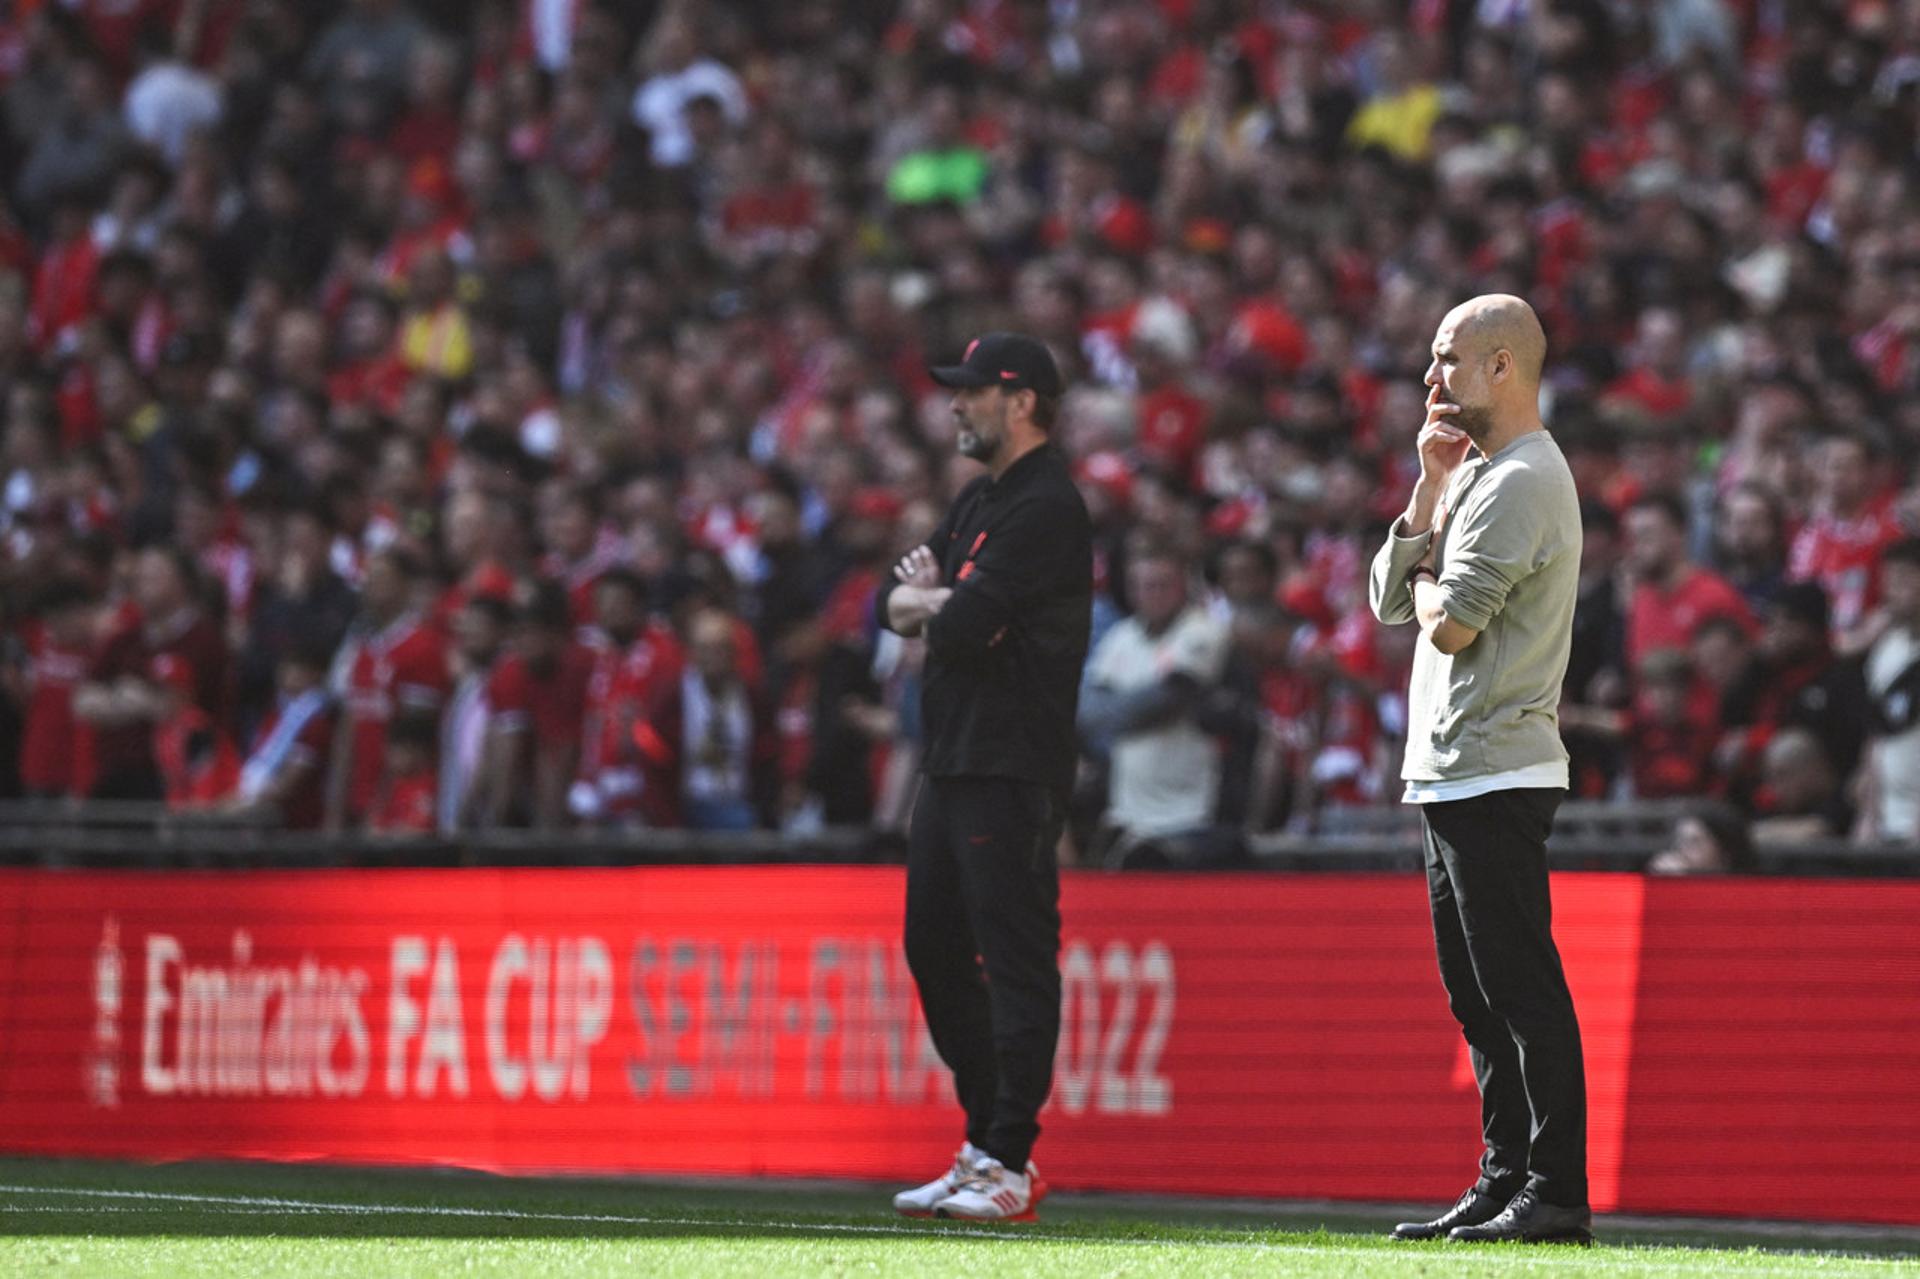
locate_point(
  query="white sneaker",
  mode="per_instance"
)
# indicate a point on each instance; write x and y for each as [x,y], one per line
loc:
[920,1202]
[991,1193]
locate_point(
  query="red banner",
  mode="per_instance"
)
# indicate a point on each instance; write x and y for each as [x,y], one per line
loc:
[1753,1047]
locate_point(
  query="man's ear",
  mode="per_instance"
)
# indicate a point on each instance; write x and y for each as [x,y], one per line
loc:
[1502,365]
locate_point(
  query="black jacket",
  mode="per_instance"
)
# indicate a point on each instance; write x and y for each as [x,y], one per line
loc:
[1002,679]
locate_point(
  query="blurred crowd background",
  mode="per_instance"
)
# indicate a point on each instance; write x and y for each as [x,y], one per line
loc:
[449,415]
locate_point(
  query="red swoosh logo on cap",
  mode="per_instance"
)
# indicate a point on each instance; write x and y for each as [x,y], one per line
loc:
[970,346]
[1009,376]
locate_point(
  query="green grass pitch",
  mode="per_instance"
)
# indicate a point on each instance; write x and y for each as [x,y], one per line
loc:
[62,1218]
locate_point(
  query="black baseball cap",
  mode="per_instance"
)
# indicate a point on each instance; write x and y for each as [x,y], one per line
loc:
[1012,360]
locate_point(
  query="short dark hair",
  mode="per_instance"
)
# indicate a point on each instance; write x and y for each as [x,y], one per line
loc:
[404,561]
[1668,504]
[1728,827]
[1803,602]
[494,608]
[1722,624]
[310,651]
[308,507]
[625,579]
[1046,410]
[548,606]
[1160,549]
[63,593]
[1260,550]
[1667,667]
[125,262]
[378,299]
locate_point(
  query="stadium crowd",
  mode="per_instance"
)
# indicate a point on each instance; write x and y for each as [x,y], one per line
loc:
[438,415]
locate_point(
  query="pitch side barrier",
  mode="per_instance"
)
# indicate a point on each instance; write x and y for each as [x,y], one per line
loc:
[1587,836]
[1752,1044]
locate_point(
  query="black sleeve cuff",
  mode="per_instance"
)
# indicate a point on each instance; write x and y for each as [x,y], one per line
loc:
[880,598]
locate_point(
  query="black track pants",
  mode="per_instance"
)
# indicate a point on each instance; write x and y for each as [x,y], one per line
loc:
[1487,883]
[983,941]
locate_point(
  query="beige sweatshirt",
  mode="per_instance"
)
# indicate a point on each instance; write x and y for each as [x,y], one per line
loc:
[1509,564]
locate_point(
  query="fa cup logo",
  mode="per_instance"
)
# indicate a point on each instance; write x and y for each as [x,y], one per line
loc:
[103,1062]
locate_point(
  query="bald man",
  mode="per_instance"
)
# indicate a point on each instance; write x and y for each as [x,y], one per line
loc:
[1486,559]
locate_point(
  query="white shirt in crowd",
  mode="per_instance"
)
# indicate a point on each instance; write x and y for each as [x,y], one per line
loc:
[168,103]
[463,745]
[660,107]
[1896,756]
[716,742]
[1165,779]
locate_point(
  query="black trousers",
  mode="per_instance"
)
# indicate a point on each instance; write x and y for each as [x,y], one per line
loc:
[1492,924]
[983,942]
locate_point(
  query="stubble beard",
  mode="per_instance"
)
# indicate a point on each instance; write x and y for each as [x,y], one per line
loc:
[1476,421]
[975,444]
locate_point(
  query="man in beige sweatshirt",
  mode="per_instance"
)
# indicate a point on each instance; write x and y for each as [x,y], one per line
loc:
[1486,559]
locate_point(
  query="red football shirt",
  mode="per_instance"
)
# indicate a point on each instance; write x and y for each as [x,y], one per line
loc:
[403,668]
[49,763]
[197,762]
[406,805]
[186,648]
[1843,555]
[1646,388]
[1658,619]
[1671,759]
[554,705]
[305,805]
[623,685]
[1173,424]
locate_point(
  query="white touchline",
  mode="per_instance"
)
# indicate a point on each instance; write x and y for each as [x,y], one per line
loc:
[267,1205]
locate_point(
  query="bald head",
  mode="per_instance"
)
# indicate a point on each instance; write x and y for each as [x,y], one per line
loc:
[1492,322]
[1487,358]
[1796,769]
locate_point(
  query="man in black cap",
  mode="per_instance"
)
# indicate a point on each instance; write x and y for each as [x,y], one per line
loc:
[1003,592]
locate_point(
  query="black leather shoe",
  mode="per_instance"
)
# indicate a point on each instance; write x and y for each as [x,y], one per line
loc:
[1527,1220]
[1471,1209]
